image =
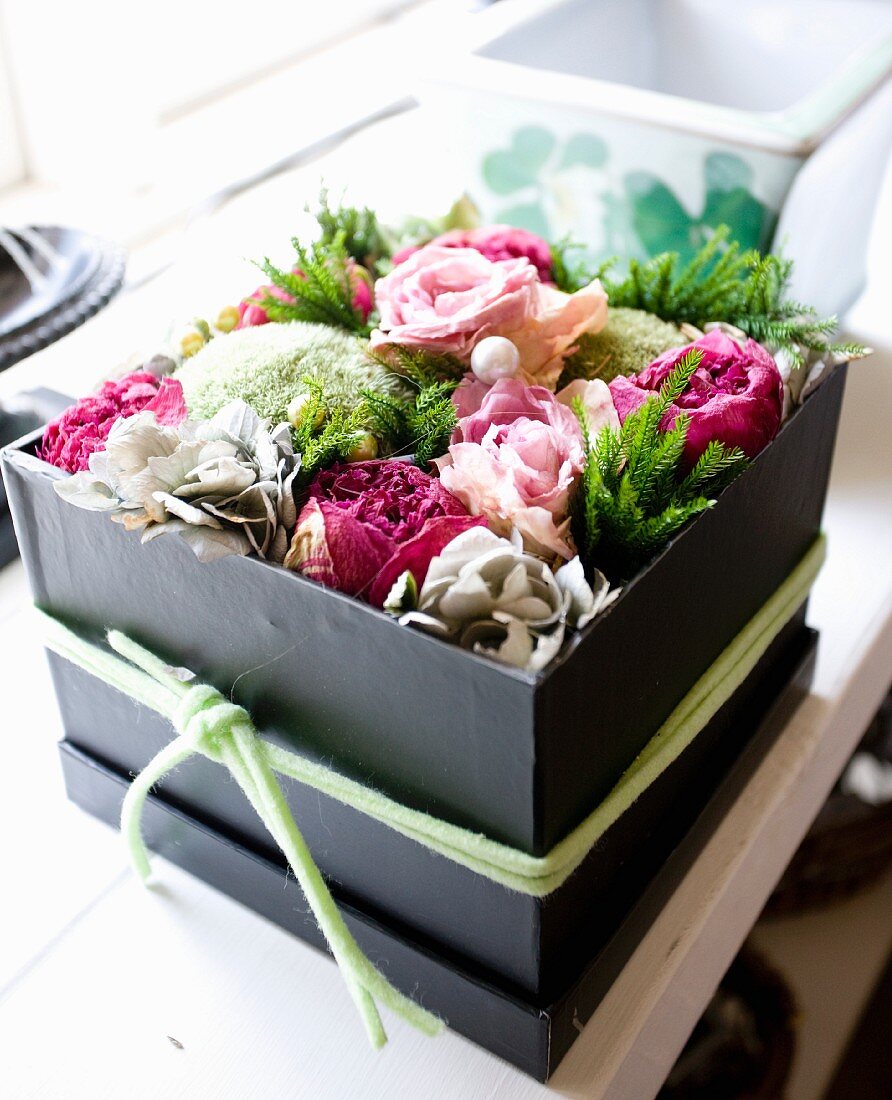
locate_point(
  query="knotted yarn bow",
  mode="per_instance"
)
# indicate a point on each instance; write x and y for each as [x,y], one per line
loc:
[209,724]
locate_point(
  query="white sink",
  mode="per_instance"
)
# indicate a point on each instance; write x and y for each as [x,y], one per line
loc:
[638,126]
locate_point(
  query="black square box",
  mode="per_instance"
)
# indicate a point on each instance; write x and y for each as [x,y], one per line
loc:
[521,758]
[533,1033]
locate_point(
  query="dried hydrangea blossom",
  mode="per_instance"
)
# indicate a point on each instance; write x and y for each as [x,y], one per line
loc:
[486,594]
[225,485]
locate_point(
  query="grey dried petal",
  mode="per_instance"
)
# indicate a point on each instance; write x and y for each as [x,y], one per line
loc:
[133,521]
[529,608]
[468,597]
[207,543]
[236,422]
[227,475]
[466,547]
[281,436]
[285,503]
[427,623]
[253,505]
[86,491]
[188,513]
[547,648]
[504,601]
[516,649]
[135,440]
[216,477]
[279,546]
[582,602]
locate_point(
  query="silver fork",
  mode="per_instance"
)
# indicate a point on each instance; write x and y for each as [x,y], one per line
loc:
[10,239]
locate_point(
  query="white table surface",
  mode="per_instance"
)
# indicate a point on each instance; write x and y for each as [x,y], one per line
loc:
[97,972]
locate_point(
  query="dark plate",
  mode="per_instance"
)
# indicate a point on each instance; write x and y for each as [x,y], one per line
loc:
[25,413]
[91,274]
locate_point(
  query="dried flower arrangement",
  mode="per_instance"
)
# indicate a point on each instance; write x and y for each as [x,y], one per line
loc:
[454,423]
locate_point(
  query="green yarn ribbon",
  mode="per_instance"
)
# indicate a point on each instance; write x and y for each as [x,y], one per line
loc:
[209,724]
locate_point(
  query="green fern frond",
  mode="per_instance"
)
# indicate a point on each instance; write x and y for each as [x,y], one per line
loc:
[633,495]
[723,283]
[421,422]
[356,227]
[319,288]
[420,365]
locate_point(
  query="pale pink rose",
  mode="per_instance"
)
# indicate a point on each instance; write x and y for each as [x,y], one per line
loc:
[496,242]
[516,461]
[551,335]
[597,401]
[448,299]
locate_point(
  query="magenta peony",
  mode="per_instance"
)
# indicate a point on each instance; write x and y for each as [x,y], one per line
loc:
[251,311]
[735,396]
[495,242]
[448,299]
[516,461]
[71,438]
[366,523]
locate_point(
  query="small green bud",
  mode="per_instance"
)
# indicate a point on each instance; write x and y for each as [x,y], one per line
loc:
[364,449]
[298,408]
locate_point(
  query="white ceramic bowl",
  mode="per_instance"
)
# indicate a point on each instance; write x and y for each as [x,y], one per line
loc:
[638,126]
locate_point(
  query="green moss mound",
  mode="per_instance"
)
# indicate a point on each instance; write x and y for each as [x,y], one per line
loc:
[629,341]
[265,366]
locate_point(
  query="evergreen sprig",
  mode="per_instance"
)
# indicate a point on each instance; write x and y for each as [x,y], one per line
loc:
[325,434]
[422,423]
[632,497]
[319,286]
[571,274]
[726,283]
[417,421]
[421,366]
[363,236]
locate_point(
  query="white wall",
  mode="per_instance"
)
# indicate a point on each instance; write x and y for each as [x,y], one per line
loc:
[95,79]
[12,164]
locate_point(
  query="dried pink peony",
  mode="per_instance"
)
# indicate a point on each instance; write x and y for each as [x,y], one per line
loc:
[515,460]
[366,523]
[448,299]
[495,242]
[72,437]
[735,396]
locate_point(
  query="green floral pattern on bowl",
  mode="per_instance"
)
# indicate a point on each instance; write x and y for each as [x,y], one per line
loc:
[641,214]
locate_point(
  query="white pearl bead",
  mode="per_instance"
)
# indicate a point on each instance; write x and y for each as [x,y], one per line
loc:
[493,358]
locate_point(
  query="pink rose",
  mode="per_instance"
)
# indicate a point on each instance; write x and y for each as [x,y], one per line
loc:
[734,396]
[516,461]
[366,523]
[595,396]
[447,299]
[251,311]
[495,242]
[72,437]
